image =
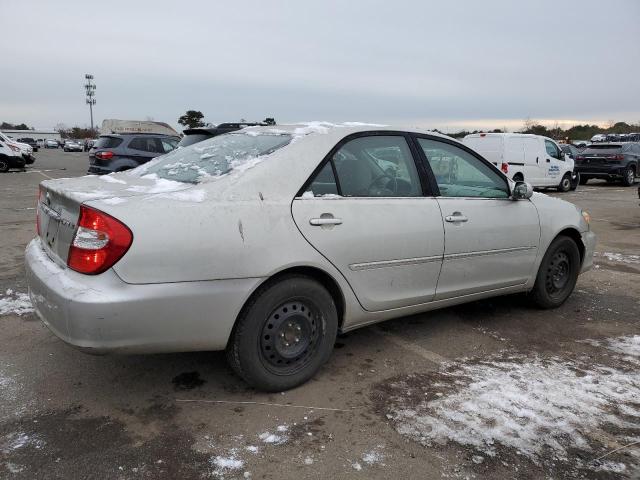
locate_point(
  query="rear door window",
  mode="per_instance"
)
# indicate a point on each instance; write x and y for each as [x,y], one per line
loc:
[324,183]
[105,142]
[146,144]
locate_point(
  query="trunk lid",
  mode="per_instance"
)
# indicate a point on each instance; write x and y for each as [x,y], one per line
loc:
[59,203]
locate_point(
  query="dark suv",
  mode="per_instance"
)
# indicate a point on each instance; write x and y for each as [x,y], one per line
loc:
[611,161]
[198,134]
[118,152]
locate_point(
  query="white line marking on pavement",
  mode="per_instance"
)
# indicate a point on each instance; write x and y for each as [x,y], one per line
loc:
[428,355]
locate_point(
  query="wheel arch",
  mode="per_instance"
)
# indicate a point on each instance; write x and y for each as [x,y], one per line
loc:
[573,234]
[321,276]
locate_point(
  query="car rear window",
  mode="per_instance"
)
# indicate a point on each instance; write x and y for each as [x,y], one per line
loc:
[216,157]
[108,142]
[602,149]
[194,138]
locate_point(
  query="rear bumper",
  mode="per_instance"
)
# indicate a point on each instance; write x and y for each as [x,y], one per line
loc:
[96,170]
[103,314]
[589,240]
[601,171]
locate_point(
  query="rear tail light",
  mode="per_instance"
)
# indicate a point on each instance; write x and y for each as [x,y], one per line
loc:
[580,157]
[504,167]
[104,155]
[619,156]
[99,242]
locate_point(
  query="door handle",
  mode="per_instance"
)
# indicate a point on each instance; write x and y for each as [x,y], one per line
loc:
[537,160]
[456,218]
[548,160]
[325,221]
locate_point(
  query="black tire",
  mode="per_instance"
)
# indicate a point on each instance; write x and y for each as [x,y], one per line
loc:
[629,177]
[518,177]
[575,181]
[284,334]
[557,275]
[4,165]
[583,180]
[565,183]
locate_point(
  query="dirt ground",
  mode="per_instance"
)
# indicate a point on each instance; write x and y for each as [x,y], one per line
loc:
[378,409]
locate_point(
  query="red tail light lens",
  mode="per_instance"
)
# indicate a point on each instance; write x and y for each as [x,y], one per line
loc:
[504,167]
[104,155]
[99,242]
[619,157]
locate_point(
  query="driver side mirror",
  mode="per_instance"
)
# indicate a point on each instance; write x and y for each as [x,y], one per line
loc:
[522,191]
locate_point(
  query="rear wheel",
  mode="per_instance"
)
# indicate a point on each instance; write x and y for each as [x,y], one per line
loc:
[4,165]
[518,177]
[629,177]
[558,274]
[565,183]
[284,334]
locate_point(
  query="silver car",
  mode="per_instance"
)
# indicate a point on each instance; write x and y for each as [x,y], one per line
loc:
[267,242]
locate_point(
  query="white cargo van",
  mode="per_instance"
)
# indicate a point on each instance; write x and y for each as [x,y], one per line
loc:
[532,158]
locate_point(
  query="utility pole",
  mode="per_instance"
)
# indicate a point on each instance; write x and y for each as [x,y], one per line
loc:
[90,89]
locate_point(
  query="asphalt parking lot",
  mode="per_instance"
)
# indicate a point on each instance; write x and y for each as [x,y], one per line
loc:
[418,397]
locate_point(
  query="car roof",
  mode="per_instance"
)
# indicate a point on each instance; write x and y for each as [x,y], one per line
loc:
[336,130]
[140,134]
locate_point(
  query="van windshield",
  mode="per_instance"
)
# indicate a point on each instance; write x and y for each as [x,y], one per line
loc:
[216,157]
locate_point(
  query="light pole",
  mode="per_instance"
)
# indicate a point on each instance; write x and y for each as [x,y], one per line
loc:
[90,89]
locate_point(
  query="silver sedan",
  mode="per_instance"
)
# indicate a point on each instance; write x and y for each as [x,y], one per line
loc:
[268,241]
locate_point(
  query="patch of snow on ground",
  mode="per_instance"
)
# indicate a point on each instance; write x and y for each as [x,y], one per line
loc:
[532,405]
[226,464]
[373,457]
[15,303]
[273,438]
[620,257]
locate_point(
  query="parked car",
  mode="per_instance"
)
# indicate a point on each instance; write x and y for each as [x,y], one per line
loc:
[10,156]
[524,157]
[118,152]
[268,242]
[198,134]
[25,150]
[611,161]
[51,143]
[599,137]
[31,142]
[72,146]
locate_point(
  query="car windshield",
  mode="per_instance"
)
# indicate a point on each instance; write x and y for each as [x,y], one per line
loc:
[217,156]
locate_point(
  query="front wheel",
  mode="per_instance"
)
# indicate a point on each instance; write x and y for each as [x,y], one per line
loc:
[557,275]
[4,165]
[284,334]
[565,183]
[629,177]
[575,181]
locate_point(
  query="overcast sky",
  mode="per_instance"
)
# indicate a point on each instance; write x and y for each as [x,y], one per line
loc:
[428,63]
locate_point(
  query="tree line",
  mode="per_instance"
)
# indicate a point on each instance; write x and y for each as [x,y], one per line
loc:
[577,132]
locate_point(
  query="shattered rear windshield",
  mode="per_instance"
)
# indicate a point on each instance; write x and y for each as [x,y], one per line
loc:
[217,156]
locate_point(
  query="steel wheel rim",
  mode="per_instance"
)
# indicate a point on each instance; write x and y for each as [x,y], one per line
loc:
[289,337]
[558,273]
[3,164]
[566,184]
[630,175]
